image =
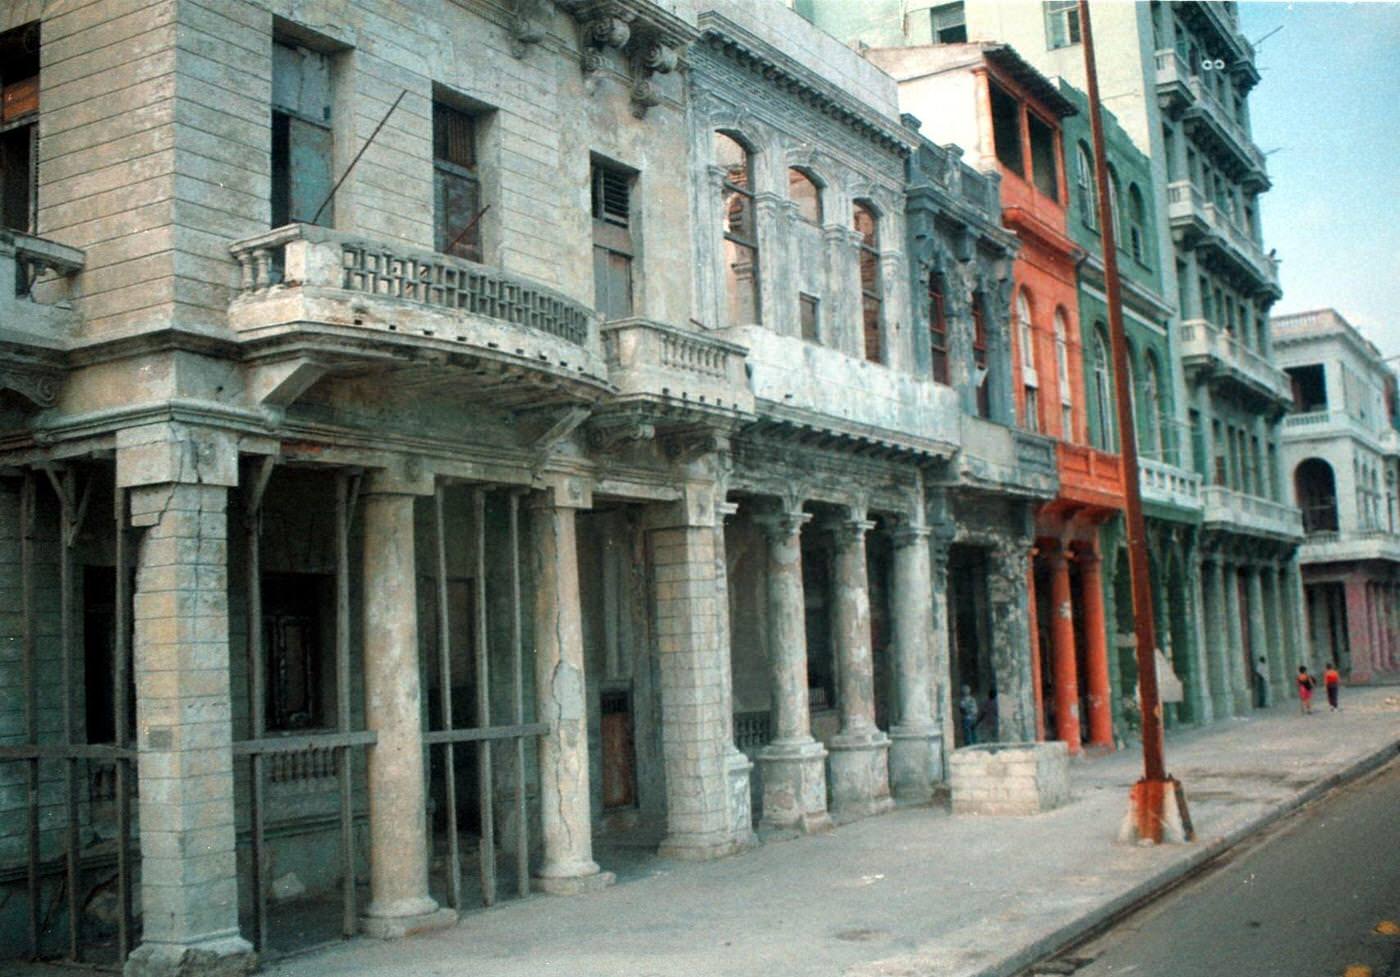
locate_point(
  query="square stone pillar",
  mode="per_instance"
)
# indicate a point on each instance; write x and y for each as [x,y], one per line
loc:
[1234,646]
[1011,653]
[177,480]
[1216,642]
[793,763]
[692,655]
[916,742]
[398,833]
[860,776]
[565,812]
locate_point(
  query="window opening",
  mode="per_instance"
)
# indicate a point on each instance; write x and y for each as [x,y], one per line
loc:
[1043,156]
[1088,189]
[19,126]
[1062,23]
[937,328]
[302,143]
[1006,129]
[948,23]
[613,249]
[867,226]
[456,183]
[740,237]
[803,191]
[810,309]
[1309,387]
[1062,376]
[1103,390]
[980,358]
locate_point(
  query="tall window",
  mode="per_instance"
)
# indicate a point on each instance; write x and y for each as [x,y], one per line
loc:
[1088,189]
[948,23]
[1137,223]
[456,187]
[1114,210]
[868,228]
[301,136]
[19,126]
[612,240]
[740,236]
[1104,438]
[1061,23]
[809,308]
[1029,380]
[980,359]
[1062,376]
[937,328]
[1006,129]
[803,191]
[1043,156]
[1152,401]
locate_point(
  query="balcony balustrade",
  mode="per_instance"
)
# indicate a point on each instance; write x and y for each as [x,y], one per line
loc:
[1344,547]
[803,385]
[1252,514]
[36,317]
[1169,485]
[1206,347]
[1327,424]
[1206,114]
[1089,475]
[1200,223]
[1174,92]
[1004,459]
[347,297]
[655,364]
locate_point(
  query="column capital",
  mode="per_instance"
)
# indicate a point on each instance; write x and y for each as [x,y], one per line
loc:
[168,453]
[1088,556]
[850,531]
[562,492]
[409,477]
[779,526]
[910,534]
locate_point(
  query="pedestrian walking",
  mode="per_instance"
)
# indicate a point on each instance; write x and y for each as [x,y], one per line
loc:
[969,711]
[1305,687]
[1332,681]
[1261,684]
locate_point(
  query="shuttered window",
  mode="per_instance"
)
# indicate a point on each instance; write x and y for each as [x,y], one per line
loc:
[613,248]
[456,183]
[302,143]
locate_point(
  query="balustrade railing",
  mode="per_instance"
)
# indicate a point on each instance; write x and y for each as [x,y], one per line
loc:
[1227,505]
[1163,481]
[1200,337]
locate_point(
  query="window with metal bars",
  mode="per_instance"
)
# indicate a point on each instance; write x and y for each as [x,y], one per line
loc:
[456,183]
[613,249]
[937,328]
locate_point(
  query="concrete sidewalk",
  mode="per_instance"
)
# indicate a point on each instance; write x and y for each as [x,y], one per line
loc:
[917,892]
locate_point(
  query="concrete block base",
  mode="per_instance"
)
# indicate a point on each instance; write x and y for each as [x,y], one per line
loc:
[916,763]
[574,885]
[230,956]
[860,775]
[794,786]
[397,927]
[1009,778]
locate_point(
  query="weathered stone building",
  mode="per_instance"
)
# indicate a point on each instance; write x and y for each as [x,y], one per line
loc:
[1341,456]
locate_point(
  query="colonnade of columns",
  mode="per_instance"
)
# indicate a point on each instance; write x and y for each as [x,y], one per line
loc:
[1373,625]
[1064,656]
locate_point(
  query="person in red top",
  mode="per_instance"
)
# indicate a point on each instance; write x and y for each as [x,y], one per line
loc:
[1332,679]
[1305,687]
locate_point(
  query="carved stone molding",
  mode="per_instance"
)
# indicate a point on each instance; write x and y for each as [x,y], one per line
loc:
[650,41]
[607,435]
[527,24]
[39,387]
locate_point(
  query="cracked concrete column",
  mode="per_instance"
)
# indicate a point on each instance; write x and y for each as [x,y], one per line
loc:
[1063,662]
[398,834]
[177,480]
[940,652]
[1258,634]
[1011,651]
[860,776]
[1096,650]
[793,764]
[916,744]
[559,683]
[738,768]
[1235,650]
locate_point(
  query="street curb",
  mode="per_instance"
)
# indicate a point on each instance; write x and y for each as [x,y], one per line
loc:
[1156,885]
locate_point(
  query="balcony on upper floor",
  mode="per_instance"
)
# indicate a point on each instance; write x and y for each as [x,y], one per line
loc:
[1174,92]
[1329,424]
[822,395]
[1338,547]
[1222,20]
[1198,223]
[1168,485]
[1212,352]
[1229,510]
[662,370]
[354,304]
[1006,460]
[1089,476]
[36,317]
[1209,121]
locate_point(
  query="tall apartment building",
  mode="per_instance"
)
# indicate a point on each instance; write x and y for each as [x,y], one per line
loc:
[1180,76]
[1341,456]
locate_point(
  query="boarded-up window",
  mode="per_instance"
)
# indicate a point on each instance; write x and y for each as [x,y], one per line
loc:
[302,144]
[19,126]
[1043,156]
[1006,129]
[937,328]
[456,183]
[613,250]
[810,310]
[868,228]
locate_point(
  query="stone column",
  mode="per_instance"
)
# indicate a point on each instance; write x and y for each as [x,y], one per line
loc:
[178,479]
[1216,643]
[1033,627]
[940,654]
[1234,657]
[738,768]
[860,778]
[1258,633]
[1194,591]
[916,744]
[398,836]
[1063,663]
[1096,651]
[695,714]
[1275,627]
[565,813]
[1011,663]
[793,764]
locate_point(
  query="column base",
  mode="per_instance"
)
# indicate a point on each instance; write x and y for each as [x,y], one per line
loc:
[794,786]
[860,775]
[572,880]
[230,956]
[916,762]
[405,918]
[738,770]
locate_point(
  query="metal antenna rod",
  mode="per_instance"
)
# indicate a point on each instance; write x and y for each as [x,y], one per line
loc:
[331,196]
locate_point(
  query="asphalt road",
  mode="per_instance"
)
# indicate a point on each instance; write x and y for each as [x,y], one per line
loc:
[1303,900]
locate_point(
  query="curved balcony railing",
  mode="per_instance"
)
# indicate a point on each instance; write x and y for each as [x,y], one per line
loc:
[1204,343]
[1250,513]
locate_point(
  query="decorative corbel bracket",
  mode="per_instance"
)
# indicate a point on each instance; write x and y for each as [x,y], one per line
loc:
[527,25]
[609,434]
[653,53]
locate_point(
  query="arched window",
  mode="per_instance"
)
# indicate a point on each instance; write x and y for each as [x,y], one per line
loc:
[1152,404]
[937,327]
[1316,488]
[980,368]
[740,234]
[804,192]
[1137,221]
[1103,432]
[1088,189]
[1030,381]
[1114,210]
[868,227]
[1062,376]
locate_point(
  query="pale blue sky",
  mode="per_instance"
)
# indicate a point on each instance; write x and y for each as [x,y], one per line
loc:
[1329,104]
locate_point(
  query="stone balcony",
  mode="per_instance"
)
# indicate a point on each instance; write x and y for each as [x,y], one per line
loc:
[1166,484]
[1335,547]
[1210,121]
[354,303]
[37,319]
[666,370]
[1090,476]
[827,395]
[1002,459]
[1238,512]
[1220,356]
[1197,222]
[1329,424]
[1174,92]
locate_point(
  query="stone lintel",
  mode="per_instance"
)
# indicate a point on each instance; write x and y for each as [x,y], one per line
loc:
[562,492]
[407,476]
[170,452]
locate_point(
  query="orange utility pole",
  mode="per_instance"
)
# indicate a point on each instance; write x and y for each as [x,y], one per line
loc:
[1156,798]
